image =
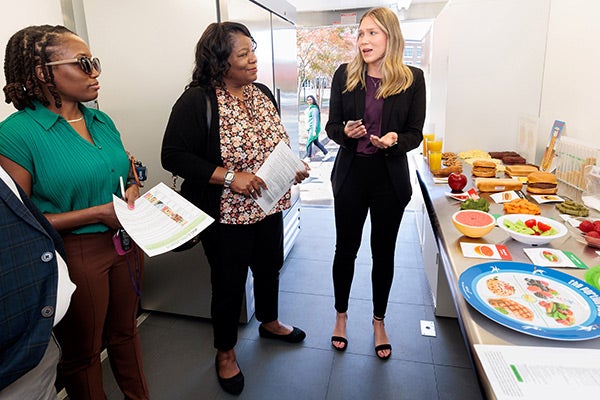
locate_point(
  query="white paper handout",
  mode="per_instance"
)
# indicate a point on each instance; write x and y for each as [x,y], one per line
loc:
[161,220]
[279,173]
[522,372]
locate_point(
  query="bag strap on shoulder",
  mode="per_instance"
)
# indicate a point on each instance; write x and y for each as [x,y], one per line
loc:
[208,124]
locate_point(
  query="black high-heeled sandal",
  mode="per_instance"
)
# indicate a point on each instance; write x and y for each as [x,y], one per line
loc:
[384,346]
[340,339]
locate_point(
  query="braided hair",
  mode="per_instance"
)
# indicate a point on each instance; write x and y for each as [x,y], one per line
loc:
[25,50]
[212,51]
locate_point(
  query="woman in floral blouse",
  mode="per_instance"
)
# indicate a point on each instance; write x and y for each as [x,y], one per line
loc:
[218,160]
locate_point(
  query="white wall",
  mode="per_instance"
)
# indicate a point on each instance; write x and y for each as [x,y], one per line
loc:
[496,63]
[16,16]
[147,52]
[493,52]
[438,75]
[571,90]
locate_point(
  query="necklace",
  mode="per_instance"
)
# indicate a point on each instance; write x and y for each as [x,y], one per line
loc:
[375,81]
[75,120]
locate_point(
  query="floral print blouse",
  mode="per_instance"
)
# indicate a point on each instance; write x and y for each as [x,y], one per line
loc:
[248,136]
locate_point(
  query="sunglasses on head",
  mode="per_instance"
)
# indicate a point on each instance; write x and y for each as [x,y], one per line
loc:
[87,65]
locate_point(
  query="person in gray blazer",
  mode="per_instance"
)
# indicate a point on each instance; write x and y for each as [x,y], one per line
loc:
[35,291]
[376,115]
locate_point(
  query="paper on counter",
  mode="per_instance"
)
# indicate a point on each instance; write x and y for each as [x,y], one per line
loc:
[490,251]
[458,196]
[503,197]
[279,173]
[549,257]
[161,220]
[549,373]
[547,198]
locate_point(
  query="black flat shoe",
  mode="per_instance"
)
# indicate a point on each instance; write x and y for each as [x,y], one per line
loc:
[339,339]
[295,336]
[383,347]
[233,385]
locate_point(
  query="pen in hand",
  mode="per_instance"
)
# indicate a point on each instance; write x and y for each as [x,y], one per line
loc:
[130,206]
[122,187]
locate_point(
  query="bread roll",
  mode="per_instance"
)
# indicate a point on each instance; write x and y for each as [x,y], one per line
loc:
[497,185]
[520,170]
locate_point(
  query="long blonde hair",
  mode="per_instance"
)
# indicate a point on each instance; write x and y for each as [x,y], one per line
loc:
[396,76]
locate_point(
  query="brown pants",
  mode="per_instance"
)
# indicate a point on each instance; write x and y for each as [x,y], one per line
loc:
[102,313]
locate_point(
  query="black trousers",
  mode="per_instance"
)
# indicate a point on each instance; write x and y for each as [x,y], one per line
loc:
[367,189]
[230,250]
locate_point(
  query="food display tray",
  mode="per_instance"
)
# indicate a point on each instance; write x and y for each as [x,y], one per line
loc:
[533,300]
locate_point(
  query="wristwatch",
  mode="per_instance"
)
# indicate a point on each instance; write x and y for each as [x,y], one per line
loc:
[229,177]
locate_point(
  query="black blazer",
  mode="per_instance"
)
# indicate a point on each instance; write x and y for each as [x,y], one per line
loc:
[403,113]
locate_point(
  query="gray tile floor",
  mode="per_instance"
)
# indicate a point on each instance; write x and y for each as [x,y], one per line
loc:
[179,358]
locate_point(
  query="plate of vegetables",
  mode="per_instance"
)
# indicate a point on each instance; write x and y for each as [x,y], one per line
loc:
[531,229]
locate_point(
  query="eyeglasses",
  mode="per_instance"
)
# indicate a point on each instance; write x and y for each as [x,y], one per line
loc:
[86,64]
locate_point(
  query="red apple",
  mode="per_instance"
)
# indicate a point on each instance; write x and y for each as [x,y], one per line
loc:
[457,182]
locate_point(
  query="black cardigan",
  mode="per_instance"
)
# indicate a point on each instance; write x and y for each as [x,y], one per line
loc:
[190,151]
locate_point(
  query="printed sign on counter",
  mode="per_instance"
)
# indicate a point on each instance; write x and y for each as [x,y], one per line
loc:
[503,197]
[548,257]
[547,198]
[491,251]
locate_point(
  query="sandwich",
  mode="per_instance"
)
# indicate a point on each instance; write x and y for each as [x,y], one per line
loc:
[541,183]
[484,169]
[497,185]
[520,170]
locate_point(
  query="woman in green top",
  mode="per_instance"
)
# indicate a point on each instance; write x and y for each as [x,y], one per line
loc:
[313,122]
[69,159]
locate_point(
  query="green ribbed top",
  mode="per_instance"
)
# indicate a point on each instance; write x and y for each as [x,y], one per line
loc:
[68,172]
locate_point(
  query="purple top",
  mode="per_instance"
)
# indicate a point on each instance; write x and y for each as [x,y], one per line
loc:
[372,117]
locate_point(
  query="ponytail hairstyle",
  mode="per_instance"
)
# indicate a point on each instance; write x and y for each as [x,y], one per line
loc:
[396,76]
[25,50]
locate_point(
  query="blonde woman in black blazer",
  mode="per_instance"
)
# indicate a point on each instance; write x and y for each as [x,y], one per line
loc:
[376,115]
